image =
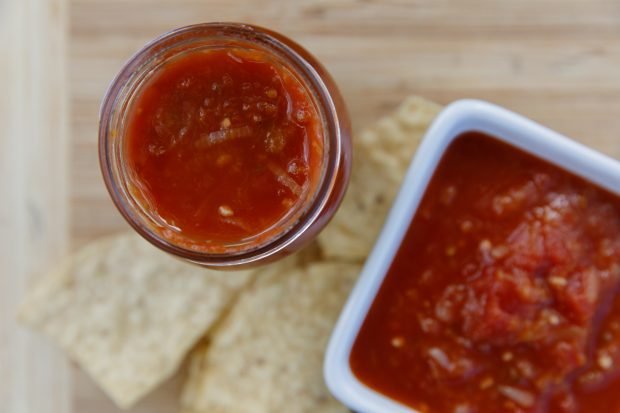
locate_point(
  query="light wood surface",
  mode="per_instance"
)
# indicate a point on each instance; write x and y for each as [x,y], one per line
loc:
[556,61]
[553,60]
[34,140]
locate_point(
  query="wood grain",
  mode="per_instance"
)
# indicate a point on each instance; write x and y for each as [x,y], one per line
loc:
[33,182]
[555,61]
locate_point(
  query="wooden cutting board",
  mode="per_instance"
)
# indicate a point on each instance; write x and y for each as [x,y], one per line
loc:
[555,61]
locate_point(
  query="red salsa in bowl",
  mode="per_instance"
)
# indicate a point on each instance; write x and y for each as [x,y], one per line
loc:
[225,144]
[503,296]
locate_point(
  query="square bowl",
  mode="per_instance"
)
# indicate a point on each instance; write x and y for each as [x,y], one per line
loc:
[457,118]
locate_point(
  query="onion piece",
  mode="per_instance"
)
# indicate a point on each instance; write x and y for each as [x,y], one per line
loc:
[207,140]
[285,179]
[522,397]
[462,408]
[440,357]
[237,223]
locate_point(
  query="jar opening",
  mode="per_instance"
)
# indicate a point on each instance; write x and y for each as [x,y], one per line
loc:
[304,195]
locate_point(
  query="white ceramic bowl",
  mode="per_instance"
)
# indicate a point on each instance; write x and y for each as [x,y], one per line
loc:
[459,117]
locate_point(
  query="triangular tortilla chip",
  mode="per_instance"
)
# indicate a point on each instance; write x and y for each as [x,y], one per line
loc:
[267,355]
[128,313]
[382,155]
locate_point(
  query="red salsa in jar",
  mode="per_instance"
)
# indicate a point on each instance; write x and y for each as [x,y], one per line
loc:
[223,144]
[503,296]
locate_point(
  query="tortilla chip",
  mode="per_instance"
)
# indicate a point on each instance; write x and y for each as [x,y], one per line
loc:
[267,355]
[351,233]
[128,313]
[382,156]
[397,136]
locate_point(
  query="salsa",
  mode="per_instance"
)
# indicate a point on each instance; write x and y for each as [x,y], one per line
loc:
[222,146]
[503,296]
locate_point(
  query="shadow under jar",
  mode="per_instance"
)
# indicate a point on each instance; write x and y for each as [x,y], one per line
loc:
[225,144]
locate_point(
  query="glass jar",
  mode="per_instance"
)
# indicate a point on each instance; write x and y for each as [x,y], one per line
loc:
[292,231]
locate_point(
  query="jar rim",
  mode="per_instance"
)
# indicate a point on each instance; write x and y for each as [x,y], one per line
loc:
[298,60]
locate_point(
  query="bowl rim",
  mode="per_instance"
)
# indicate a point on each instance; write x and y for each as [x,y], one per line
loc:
[456,118]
